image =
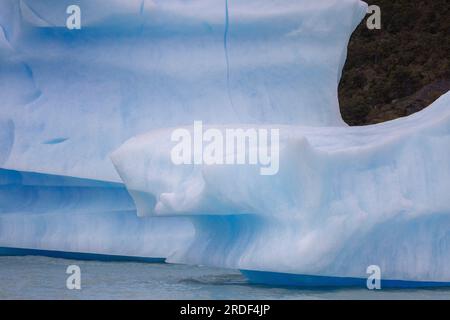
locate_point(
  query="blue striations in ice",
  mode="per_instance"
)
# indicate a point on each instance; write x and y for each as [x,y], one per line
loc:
[135,66]
[64,214]
[343,199]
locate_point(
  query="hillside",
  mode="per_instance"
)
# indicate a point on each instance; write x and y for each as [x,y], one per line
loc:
[400,69]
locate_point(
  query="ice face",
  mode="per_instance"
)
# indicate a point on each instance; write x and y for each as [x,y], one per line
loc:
[76,95]
[47,212]
[71,97]
[343,199]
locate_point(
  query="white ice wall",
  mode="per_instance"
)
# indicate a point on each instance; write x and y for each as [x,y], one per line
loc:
[75,96]
[344,199]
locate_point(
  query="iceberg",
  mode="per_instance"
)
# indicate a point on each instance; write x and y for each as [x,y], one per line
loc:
[134,66]
[56,215]
[71,97]
[344,198]
[86,124]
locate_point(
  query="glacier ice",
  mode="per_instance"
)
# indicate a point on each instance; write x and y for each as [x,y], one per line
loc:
[69,98]
[344,199]
[86,118]
[154,64]
[65,214]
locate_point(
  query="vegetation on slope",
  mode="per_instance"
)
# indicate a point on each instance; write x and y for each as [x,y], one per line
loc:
[400,69]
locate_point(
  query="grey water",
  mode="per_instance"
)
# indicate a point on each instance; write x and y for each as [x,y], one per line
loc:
[33,277]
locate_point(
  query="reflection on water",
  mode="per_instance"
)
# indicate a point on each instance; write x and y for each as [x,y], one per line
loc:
[45,278]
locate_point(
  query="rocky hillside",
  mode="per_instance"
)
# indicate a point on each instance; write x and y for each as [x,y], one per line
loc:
[400,69]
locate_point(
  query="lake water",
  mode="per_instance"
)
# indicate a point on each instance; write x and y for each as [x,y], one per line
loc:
[45,278]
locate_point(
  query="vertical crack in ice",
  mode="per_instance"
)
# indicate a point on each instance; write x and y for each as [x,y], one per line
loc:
[225,47]
[141,8]
[141,13]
